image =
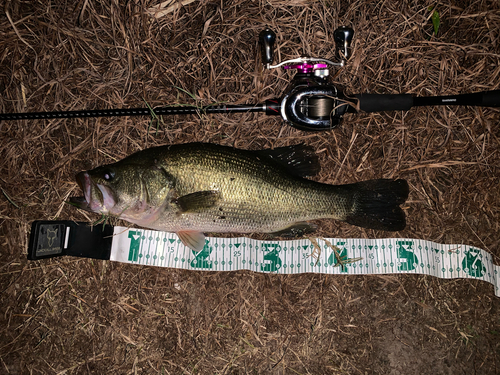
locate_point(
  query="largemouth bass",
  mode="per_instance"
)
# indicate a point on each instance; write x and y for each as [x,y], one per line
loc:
[196,188]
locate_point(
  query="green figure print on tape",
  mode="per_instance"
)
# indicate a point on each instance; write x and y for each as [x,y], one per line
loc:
[201,257]
[407,260]
[272,261]
[332,259]
[472,263]
[135,244]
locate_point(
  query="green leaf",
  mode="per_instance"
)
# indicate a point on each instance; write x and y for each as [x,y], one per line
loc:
[8,198]
[154,118]
[185,91]
[436,22]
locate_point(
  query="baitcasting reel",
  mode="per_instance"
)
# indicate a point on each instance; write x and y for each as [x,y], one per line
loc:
[311,102]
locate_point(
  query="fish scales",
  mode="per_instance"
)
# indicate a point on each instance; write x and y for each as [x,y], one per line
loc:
[256,195]
[195,188]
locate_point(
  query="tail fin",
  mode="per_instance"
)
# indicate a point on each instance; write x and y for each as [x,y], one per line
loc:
[376,204]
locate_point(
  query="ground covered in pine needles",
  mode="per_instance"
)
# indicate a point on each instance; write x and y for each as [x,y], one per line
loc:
[80,316]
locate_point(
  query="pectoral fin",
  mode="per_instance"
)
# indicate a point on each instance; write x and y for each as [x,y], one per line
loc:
[198,201]
[192,239]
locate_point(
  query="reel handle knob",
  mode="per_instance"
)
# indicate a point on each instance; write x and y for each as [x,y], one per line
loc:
[267,38]
[343,38]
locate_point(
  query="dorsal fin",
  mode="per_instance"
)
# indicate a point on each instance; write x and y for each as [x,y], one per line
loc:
[299,160]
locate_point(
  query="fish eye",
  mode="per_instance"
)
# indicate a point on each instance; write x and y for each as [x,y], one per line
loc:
[108,175]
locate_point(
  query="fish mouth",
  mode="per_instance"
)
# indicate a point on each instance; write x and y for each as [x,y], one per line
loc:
[97,197]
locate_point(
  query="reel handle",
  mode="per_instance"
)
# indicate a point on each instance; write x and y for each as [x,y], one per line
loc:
[343,38]
[267,38]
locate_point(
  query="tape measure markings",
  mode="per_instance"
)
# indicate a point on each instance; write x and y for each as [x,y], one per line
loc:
[377,256]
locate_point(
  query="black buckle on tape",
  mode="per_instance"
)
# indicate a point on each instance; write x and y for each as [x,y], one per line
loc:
[50,239]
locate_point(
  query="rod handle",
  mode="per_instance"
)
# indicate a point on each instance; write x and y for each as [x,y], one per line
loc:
[384,102]
[484,98]
[491,98]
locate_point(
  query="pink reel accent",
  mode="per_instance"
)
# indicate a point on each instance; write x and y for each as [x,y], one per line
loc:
[305,67]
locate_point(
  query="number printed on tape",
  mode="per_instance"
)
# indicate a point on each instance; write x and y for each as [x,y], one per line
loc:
[329,256]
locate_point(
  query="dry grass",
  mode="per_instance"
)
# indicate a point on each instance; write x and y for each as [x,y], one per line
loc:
[76,316]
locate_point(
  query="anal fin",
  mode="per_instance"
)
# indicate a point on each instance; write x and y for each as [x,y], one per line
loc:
[296,230]
[192,239]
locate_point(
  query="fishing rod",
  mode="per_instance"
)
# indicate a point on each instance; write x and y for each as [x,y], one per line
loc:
[311,102]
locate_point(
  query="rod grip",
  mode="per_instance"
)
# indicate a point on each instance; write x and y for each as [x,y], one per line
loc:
[476,99]
[490,98]
[382,102]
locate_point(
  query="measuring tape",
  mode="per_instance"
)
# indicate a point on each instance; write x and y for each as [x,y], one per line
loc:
[334,256]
